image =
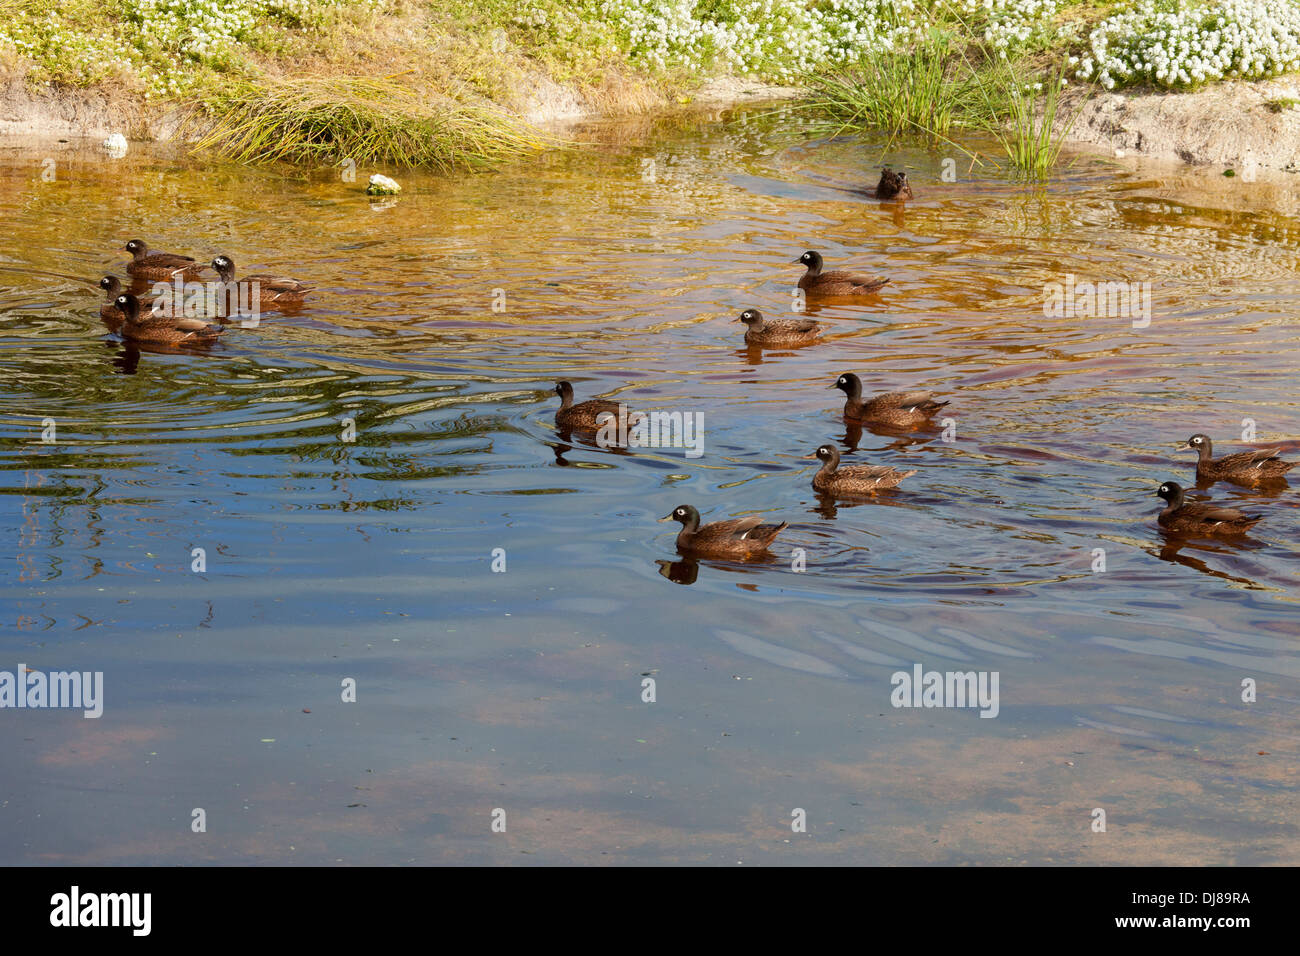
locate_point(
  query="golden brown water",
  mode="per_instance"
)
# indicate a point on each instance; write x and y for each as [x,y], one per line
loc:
[621,266]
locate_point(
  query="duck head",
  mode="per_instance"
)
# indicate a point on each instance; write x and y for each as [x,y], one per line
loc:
[129,305]
[813,260]
[751,317]
[1172,492]
[828,455]
[138,248]
[849,384]
[225,267]
[1198,443]
[112,287]
[686,514]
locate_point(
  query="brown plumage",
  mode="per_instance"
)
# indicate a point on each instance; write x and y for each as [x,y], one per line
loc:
[108,310]
[893,185]
[837,282]
[158,265]
[778,332]
[142,326]
[738,538]
[831,479]
[1200,517]
[1244,468]
[588,416]
[900,409]
[273,291]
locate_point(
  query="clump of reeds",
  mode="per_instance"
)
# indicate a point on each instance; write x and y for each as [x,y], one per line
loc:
[367,120]
[921,89]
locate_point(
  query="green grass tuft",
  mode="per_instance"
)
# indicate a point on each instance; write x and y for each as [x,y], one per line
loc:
[326,120]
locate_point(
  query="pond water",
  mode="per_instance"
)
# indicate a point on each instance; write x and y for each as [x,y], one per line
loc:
[621,266]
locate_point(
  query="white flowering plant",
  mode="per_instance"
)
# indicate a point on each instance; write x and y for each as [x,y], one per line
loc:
[1186,43]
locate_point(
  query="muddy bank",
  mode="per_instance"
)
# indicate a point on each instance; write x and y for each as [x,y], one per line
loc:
[28,114]
[1235,125]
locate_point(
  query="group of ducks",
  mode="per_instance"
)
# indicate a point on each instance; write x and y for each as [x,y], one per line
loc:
[162,320]
[750,537]
[149,319]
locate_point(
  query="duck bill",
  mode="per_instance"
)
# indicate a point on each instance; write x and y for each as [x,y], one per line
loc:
[1185,446]
[806,457]
[667,517]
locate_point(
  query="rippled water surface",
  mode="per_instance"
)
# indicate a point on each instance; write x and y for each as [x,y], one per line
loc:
[620,266]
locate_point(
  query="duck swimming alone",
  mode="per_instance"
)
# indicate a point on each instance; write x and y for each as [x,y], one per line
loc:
[778,332]
[159,265]
[901,409]
[272,290]
[1243,468]
[588,416]
[738,538]
[1200,517]
[141,326]
[837,282]
[893,185]
[854,480]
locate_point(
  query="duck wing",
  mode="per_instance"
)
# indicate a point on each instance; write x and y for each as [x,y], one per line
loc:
[791,327]
[903,400]
[871,472]
[1216,514]
[277,284]
[167,260]
[862,282]
[1248,459]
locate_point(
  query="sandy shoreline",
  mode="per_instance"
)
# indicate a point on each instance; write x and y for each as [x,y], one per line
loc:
[1248,127]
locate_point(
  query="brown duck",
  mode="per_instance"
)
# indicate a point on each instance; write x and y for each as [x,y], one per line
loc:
[778,332]
[142,326]
[893,185]
[837,282]
[853,480]
[1200,517]
[901,409]
[272,290]
[158,265]
[108,311]
[588,416]
[1243,468]
[738,538]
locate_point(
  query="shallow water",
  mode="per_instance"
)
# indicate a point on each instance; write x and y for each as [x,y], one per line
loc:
[622,265]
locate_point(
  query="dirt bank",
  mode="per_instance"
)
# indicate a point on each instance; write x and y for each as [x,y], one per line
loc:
[1234,125]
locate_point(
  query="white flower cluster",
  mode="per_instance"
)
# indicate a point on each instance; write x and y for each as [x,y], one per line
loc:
[202,30]
[777,37]
[164,39]
[1009,24]
[781,38]
[1180,43]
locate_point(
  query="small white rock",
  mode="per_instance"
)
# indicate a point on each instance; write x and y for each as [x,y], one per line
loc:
[116,145]
[381,185]
[1119,154]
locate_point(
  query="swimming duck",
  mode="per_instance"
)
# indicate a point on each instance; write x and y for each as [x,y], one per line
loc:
[893,185]
[737,538]
[853,480]
[588,416]
[836,282]
[158,265]
[891,408]
[163,329]
[1243,468]
[272,290]
[1200,517]
[108,311]
[779,332]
